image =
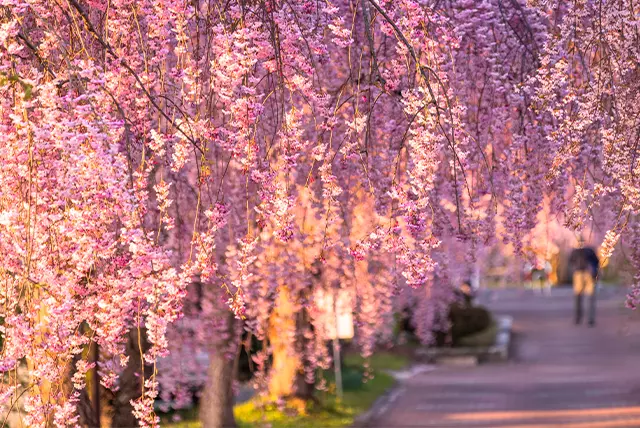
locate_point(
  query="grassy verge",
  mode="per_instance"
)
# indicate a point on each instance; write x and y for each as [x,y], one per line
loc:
[328,412]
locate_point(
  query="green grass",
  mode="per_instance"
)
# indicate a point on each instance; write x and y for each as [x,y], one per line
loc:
[328,412]
[378,362]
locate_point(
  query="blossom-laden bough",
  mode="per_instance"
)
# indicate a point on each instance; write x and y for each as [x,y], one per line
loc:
[165,163]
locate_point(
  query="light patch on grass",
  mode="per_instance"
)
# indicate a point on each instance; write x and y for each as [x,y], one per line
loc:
[329,412]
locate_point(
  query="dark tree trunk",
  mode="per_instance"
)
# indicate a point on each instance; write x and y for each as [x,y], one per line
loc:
[89,402]
[216,404]
[88,417]
[129,382]
[95,383]
[303,389]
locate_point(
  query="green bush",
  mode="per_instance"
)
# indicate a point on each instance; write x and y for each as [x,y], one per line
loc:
[484,338]
[466,321]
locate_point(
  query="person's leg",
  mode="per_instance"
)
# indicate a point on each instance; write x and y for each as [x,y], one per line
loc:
[590,291]
[578,285]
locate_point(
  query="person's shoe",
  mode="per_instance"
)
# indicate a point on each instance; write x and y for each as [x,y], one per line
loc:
[592,323]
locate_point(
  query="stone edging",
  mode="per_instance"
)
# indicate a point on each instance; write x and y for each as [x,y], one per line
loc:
[378,407]
[383,402]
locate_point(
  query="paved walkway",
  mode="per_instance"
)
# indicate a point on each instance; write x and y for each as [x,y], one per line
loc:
[560,375]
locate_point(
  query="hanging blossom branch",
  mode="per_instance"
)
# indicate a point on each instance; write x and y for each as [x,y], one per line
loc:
[426,71]
[135,75]
[212,163]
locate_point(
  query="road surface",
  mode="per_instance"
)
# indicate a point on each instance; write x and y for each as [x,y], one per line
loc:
[560,374]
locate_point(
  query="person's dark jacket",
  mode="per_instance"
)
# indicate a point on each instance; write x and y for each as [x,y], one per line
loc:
[582,259]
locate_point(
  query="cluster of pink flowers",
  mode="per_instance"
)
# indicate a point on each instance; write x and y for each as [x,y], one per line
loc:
[168,166]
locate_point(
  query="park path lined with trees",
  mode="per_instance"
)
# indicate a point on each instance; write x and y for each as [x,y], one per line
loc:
[185,178]
[560,374]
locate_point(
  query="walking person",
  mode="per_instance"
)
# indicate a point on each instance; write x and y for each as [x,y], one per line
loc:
[583,266]
[540,276]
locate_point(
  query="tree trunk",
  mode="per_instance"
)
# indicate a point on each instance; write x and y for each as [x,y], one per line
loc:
[95,383]
[288,344]
[89,408]
[286,364]
[303,389]
[86,411]
[216,405]
[129,382]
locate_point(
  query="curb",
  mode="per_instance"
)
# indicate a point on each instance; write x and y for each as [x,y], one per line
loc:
[379,406]
[500,349]
[383,402]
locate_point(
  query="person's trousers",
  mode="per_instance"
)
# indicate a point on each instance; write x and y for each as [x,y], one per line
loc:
[584,284]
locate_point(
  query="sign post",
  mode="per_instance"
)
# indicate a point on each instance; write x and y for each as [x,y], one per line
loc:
[337,362]
[337,306]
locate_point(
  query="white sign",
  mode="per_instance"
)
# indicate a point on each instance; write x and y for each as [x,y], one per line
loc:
[338,313]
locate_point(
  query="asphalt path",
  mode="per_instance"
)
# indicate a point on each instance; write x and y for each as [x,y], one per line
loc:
[559,375]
